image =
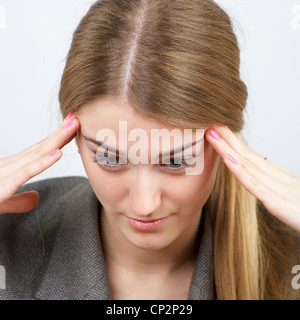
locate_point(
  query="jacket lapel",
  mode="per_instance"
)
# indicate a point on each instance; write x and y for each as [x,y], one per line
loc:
[202,287]
[75,268]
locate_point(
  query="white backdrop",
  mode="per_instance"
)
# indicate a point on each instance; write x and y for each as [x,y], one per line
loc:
[35,36]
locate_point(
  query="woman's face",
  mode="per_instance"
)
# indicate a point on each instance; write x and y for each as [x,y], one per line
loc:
[151,204]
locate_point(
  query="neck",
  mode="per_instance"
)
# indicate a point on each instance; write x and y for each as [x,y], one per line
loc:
[119,251]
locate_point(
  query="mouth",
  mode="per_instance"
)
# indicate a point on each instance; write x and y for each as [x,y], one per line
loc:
[146,225]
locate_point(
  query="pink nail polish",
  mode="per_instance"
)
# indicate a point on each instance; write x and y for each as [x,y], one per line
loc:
[71,114]
[231,159]
[69,123]
[54,153]
[214,134]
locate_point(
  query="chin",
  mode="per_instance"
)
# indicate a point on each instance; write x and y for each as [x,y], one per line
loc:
[150,241]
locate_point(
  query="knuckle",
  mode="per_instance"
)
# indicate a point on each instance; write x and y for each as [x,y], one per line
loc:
[37,152]
[27,171]
[245,151]
[32,169]
[245,163]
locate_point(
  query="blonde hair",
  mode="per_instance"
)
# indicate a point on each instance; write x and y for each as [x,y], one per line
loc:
[179,61]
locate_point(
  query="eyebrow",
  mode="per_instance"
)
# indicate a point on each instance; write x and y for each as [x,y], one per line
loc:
[117,152]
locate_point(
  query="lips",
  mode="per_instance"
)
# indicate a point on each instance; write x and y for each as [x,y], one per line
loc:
[146,225]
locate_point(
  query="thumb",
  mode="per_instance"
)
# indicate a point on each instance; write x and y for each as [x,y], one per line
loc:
[20,203]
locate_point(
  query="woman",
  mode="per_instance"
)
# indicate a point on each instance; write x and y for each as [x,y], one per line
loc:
[149,230]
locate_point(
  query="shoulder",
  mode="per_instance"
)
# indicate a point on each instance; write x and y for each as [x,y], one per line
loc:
[29,241]
[57,187]
[56,195]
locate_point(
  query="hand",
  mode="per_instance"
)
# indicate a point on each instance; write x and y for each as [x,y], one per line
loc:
[18,169]
[276,187]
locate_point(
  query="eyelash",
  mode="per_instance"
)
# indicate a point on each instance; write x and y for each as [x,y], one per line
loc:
[115,167]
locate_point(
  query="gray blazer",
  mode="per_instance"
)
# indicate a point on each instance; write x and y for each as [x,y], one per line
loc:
[54,251]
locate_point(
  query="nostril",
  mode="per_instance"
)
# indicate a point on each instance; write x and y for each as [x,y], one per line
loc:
[144,206]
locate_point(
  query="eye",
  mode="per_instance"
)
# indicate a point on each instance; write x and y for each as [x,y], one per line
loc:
[109,162]
[176,166]
[112,162]
[106,159]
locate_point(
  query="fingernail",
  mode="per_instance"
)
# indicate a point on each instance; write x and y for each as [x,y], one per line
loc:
[54,153]
[71,114]
[231,159]
[69,123]
[214,134]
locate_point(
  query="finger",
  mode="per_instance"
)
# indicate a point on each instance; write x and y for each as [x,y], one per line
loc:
[36,159]
[57,140]
[16,179]
[20,203]
[245,155]
[249,168]
[30,149]
[263,179]
[237,143]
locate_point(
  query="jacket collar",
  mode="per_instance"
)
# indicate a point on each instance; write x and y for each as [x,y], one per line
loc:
[75,267]
[202,284]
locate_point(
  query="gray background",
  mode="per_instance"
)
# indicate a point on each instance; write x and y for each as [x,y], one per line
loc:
[35,36]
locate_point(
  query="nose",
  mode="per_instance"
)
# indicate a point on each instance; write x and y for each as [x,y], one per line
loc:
[144,192]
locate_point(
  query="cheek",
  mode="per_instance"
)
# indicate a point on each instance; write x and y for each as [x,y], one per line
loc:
[109,190]
[195,190]
[107,186]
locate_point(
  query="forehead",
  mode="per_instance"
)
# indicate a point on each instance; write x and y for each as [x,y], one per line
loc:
[108,112]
